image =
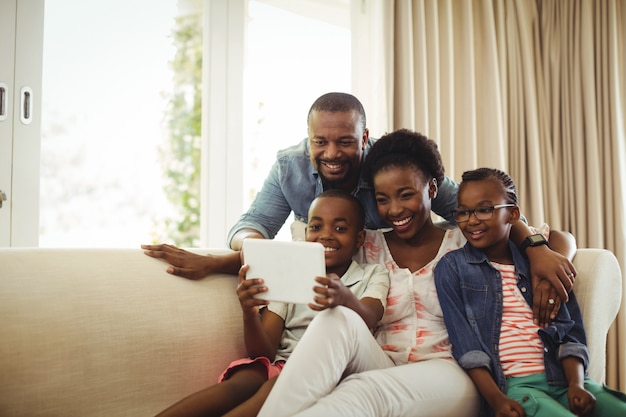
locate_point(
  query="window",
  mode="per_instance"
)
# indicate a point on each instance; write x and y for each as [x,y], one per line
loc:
[293,57]
[106,81]
[105,74]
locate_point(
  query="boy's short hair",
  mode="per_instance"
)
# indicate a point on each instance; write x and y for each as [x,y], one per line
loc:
[358,206]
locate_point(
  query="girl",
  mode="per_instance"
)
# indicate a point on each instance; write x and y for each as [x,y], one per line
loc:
[519,368]
[271,330]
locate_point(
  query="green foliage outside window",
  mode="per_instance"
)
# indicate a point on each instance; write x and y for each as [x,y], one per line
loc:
[181,154]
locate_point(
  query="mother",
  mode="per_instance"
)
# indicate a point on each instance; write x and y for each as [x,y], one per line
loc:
[406,369]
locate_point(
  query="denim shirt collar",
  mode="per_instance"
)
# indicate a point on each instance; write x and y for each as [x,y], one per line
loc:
[476,256]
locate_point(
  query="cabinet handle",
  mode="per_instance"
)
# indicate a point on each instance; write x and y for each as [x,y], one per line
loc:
[26,105]
[3,101]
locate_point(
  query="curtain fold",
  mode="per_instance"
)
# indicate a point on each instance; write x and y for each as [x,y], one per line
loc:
[536,88]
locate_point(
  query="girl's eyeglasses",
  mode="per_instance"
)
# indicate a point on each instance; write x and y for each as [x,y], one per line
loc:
[481,213]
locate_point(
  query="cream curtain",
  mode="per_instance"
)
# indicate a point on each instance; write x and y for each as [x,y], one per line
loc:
[534,87]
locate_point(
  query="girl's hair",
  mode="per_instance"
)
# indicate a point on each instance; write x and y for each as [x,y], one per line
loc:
[480,174]
[338,102]
[359,211]
[405,148]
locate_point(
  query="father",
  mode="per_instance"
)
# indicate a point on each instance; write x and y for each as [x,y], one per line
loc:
[331,157]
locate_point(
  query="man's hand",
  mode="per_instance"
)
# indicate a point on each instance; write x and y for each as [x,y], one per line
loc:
[191,265]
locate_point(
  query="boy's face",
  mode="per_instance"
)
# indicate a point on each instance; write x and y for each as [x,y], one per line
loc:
[493,232]
[333,222]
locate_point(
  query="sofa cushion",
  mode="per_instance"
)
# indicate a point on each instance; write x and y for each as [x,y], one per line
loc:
[108,330]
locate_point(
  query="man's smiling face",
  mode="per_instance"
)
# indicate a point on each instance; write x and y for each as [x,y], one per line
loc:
[337,141]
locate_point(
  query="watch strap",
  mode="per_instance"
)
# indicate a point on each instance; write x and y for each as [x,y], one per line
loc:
[532,241]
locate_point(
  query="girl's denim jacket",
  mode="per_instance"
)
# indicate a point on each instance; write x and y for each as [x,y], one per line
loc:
[470,293]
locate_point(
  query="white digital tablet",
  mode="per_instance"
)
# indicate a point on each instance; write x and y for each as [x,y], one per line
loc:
[288,268]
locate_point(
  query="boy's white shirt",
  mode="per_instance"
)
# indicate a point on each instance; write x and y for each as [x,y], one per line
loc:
[364,280]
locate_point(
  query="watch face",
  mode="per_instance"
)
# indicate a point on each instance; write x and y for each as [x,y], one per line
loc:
[536,239]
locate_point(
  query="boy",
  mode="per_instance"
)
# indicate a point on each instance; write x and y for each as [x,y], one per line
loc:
[272,330]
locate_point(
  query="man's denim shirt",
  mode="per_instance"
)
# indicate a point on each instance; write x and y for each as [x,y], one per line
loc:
[470,292]
[293,183]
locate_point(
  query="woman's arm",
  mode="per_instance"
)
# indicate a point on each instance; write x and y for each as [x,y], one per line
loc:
[545,263]
[552,272]
[563,243]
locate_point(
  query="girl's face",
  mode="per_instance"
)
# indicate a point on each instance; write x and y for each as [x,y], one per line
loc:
[403,197]
[491,234]
[334,223]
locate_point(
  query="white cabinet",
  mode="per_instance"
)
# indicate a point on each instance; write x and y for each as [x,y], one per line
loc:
[21,51]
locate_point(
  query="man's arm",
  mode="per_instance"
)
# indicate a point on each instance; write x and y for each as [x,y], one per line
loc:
[236,242]
[191,265]
[266,215]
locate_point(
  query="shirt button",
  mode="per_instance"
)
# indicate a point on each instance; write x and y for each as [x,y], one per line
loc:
[523,289]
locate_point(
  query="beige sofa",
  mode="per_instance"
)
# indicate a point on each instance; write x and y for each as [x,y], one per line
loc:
[107,332]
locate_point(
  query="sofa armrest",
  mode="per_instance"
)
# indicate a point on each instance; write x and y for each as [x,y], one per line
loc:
[598,291]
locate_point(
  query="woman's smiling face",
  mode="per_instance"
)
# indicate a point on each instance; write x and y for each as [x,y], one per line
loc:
[403,197]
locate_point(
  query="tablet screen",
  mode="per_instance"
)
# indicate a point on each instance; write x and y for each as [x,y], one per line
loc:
[288,268]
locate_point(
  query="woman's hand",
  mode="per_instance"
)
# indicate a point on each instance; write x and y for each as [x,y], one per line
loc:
[191,265]
[552,266]
[246,290]
[546,303]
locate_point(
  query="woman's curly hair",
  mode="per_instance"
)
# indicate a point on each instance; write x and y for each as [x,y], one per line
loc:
[405,148]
